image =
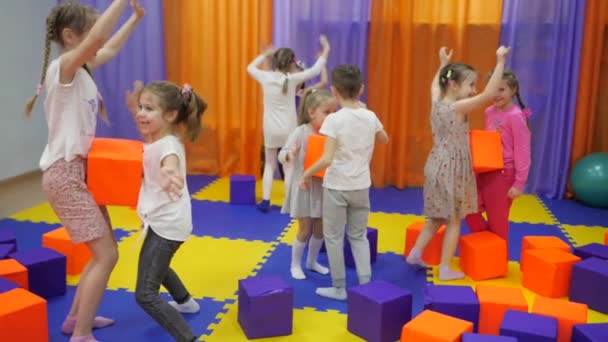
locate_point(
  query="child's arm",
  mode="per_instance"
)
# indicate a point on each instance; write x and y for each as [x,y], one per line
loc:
[291,148]
[133,102]
[469,104]
[521,154]
[322,82]
[444,59]
[76,58]
[118,40]
[382,137]
[253,67]
[316,69]
[171,179]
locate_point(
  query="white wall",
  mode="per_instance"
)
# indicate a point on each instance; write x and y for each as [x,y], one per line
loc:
[22,30]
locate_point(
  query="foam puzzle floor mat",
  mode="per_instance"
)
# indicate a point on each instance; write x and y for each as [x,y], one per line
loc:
[231,242]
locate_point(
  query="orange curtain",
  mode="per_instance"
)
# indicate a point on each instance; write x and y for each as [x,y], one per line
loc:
[405,37]
[209,44]
[591,121]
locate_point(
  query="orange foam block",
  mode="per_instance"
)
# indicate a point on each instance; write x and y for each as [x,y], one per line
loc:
[548,271]
[483,256]
[77,255]
[431,326]
[494,301]
[486,151]
[115,171]
[538,242]
[23,317]
[567,314]
[314,151]
[432,252]
[11,269]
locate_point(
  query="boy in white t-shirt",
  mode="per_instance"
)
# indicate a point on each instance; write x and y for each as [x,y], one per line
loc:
[350,136]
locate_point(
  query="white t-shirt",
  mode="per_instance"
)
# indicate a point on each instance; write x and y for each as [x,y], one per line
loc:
[280,117]
[70,111]
[355,133]
[169,219]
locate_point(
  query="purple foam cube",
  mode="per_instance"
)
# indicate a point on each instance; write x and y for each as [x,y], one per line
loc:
[529,327]
[6,249]
[242,189]
[470,337]
[596,250]
[452,300]
[372,237]
[378,310]
[588,284]
[7,236]
[265,307]
[595,332]
[7,285]
[46,270]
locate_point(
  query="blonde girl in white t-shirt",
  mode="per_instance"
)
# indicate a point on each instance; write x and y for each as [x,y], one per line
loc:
[161,111]
[279,120]
[71,106]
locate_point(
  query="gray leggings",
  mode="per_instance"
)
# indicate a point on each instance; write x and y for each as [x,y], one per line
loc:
[153,270]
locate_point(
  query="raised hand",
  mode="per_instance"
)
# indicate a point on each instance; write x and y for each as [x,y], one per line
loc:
[502,52]
[133,96]
[138,9]
[444,55]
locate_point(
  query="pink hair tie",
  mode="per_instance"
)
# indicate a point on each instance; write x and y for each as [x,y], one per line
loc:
[527,113]
[187,91]
[39,89]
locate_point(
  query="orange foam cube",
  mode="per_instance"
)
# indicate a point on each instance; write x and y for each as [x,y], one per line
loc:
[538,242]
[486,151]
[314,151]
[494,301]
[77,255]
[23,317]
[567,314]
[115,171]
[431,326]
[547,271]
[11,269]
[483,256]
[432,252]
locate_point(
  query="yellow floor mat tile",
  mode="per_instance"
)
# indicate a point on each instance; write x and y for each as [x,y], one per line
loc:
[583,235]
[209,267]
[219,191]
[121,217]
[530,209]
[308,325]
[40,213]
[391,230]
[289,234]
[513,279]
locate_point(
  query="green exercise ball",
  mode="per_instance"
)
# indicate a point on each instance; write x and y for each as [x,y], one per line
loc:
[589,180]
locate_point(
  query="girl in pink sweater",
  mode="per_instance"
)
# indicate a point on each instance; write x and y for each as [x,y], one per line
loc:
[497,189]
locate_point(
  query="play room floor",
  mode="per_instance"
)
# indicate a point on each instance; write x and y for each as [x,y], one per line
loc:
[234,242]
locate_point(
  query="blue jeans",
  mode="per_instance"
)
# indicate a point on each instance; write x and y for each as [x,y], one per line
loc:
[154,270]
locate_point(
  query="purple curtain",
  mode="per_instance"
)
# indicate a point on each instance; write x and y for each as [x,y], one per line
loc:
[142,58]
[546,38]
[298,24]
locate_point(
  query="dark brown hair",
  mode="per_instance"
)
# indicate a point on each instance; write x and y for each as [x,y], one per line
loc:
[456,72]
[281,61]
[347,81]
[188,104]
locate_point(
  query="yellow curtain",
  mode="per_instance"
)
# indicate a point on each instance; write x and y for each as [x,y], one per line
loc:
[591,121]
[405,37]
[208,45]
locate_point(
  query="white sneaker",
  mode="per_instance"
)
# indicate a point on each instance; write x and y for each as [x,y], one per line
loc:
[190,306]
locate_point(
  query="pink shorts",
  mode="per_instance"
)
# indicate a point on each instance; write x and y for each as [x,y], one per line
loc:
[64,184]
